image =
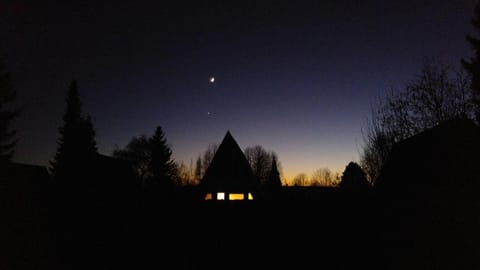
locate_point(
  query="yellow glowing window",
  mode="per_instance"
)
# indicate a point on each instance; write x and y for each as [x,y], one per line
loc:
[208,196]
[236,196]
[220,196]
[250,197]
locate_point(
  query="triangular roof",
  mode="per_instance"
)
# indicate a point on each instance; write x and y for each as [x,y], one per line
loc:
[229,170]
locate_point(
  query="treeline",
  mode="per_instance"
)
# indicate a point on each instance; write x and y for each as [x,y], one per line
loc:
[353,177]
[139,153]
[149,156]
[437,93]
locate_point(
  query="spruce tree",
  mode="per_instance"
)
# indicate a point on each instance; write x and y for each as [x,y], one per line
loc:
[473,64]
[162,165]
[354,178]
[7,115]
[76,145]
[198,170]
[273,180]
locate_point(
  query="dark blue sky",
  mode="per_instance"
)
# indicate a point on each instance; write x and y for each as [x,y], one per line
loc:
[296,77]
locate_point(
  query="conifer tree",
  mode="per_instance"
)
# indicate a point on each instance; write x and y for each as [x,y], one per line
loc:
[354,178]
[273,180]
[76,145]
[162,165]
[199,171]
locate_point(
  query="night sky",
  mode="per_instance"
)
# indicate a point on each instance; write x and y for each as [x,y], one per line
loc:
[298,78]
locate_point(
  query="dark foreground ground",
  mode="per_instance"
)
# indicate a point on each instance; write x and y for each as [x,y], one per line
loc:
[320,229]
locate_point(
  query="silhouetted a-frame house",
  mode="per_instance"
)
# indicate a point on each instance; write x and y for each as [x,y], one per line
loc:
[229,176]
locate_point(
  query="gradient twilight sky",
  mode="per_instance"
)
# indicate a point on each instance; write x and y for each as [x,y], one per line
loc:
[296,77]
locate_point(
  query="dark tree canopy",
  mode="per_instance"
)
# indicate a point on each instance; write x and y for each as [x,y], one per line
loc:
[7,115]
[354,178]
[472,65]
[151,158]
[138,153]
[76,146]
[261,162]
[162,165]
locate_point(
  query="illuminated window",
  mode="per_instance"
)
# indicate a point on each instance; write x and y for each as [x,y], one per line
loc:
[220,196]
[231,196]
[236,196]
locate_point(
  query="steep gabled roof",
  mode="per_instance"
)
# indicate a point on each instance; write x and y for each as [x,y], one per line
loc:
[229,170]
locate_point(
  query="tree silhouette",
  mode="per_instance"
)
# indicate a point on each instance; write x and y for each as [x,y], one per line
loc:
[76,146]
[473,64]
[261,162]
[208,156]
[138,153]
[198,170]
[300,179]
[354,178]
[378,144]
[322,177]
[7,115]
[273,180]
[162,165]
[184,175]
[151,159]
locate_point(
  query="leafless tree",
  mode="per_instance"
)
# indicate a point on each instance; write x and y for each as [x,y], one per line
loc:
[300,179]
[184,176]
[322,177]
[138,152]
[208,156]
[261,162]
